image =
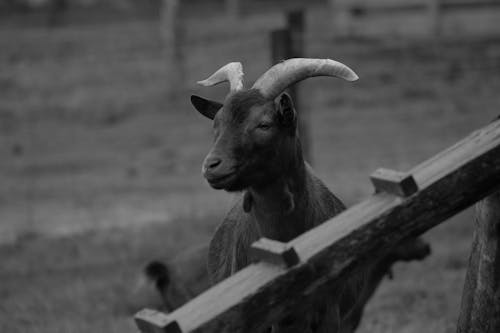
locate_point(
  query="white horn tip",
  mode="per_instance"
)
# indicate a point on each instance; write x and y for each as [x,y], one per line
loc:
[205,83]
[353,77]
[232,73]
[346,73]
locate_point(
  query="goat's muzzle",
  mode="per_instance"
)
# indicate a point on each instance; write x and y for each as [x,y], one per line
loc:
[218,172]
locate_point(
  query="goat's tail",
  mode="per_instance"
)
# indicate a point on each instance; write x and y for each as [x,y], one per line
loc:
[158,273]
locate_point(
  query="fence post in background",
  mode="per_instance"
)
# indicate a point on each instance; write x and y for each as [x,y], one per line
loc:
[289,43]
[480,310]
[233,8]
[434,7]
[172,32]
[296,22]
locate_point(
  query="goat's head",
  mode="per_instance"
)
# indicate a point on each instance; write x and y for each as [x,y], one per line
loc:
[256,129]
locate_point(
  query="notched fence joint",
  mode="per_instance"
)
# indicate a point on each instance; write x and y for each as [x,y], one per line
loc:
[152,321]
[274,252]
[397,183]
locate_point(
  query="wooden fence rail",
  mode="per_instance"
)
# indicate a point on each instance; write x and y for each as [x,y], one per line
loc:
[348,15]
[263,292]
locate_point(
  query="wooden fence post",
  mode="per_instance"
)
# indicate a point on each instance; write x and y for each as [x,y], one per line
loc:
[480,310]
[289,43]
[172,32]
[280,45]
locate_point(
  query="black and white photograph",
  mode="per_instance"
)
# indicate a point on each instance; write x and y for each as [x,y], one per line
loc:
[249,166]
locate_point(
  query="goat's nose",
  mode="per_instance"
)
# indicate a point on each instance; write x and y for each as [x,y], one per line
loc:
[212,163]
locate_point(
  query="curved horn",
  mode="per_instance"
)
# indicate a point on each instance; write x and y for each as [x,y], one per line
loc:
[282,75]
[232,73]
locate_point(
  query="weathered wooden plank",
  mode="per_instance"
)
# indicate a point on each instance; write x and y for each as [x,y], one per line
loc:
[152,321]
[265,6]
[274,252]
[469,4]
[394,182]
[440,181]
[261,293]
[380,3]
[360,8]
[436,9]
[406,5]
[480,312]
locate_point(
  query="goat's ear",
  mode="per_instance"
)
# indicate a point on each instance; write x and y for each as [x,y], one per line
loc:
[204,106]
[287,110]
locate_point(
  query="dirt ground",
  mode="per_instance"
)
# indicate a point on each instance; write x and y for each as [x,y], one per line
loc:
[100,165]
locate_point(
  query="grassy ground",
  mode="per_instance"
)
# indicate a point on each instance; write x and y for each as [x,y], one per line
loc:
[91,141]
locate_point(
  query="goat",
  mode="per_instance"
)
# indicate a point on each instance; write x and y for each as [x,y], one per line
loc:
[169,284]
[257,152]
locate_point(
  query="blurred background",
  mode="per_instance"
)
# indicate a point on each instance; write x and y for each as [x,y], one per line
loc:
[101,151]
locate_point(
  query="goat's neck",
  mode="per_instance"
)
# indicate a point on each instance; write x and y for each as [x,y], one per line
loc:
[278,207]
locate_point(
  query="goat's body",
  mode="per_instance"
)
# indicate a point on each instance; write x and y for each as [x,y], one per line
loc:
[188,276]
[228,251]
[168,284]
[257,151]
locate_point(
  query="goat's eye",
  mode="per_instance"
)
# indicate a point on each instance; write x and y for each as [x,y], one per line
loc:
[264,126]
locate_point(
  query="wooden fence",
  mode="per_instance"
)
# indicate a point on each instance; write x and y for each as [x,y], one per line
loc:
[175,13]
[426,18]
[387,17]
[349,18]
[291,275]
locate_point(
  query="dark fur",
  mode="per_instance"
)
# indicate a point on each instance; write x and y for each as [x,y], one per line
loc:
[180,279]
[281,199]
[158,273]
